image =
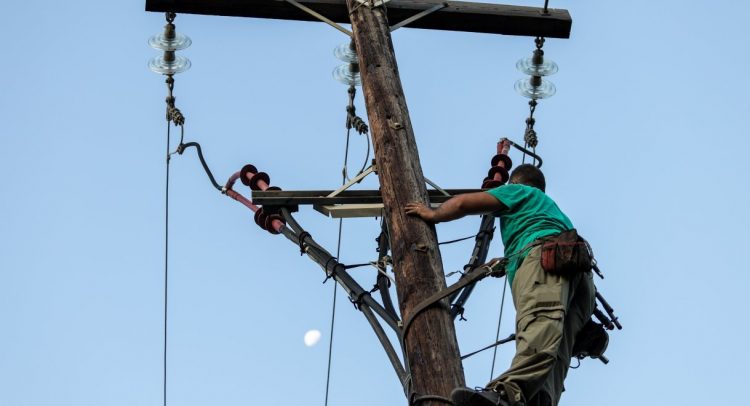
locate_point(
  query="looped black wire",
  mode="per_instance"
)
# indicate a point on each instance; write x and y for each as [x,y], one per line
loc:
[527,152]
[182,147]
[478,235]
[495,344]
[414,399]
[578,365]
[456,240]
[301,238]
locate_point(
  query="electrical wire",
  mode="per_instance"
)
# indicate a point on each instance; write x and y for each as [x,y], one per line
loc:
[497,335]
[335,285]
[166,265]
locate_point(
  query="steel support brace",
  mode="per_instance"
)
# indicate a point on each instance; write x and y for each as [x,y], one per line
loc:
[417,16]
[354,180]
[436,187]
[319,16]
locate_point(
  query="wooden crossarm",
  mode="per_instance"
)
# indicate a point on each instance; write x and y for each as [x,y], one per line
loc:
[457,16]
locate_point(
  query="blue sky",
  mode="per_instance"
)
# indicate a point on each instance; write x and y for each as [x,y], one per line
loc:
[644,147]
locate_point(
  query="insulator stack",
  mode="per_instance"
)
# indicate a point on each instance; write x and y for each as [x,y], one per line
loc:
[501,163]
[170,42]
[347,73]
[268,220]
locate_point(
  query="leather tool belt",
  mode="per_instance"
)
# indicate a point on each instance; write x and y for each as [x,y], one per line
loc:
[566,254]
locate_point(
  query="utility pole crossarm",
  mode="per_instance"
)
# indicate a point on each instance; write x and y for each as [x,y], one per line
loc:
[456,16]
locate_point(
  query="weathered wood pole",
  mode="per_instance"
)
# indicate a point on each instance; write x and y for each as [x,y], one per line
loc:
[431,344]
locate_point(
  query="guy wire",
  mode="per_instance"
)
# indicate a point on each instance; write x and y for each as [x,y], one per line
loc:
[338,255]
[497,335]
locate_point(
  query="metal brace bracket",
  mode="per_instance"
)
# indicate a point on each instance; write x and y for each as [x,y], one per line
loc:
[436,187]
[320,16]
[417,16]
[354,180]
[373,4]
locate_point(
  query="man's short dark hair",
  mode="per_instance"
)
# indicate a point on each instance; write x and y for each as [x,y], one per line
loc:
[530,175]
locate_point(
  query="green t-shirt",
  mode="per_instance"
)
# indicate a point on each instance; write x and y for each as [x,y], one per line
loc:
[530,214]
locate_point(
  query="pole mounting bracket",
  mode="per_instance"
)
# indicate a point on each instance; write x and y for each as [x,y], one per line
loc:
[373,3]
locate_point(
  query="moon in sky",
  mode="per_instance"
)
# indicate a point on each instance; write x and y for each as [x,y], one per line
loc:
[312,337]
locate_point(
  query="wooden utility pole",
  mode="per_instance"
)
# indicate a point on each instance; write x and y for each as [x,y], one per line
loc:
[430,344]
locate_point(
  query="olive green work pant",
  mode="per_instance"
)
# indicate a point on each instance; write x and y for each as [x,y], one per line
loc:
[550,311]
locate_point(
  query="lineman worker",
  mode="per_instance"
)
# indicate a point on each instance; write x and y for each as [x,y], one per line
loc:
[550,308]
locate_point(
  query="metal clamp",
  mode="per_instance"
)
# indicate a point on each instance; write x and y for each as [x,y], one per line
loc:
[373,4]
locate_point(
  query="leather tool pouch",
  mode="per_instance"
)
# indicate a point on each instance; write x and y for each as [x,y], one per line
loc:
[591,341]
[566,254]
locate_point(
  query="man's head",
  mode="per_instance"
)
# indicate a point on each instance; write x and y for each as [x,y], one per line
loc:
[529,175]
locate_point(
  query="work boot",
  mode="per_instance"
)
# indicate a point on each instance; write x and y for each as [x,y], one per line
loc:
[477,397]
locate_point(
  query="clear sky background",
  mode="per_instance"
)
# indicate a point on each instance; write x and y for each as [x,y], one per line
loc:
[644,147]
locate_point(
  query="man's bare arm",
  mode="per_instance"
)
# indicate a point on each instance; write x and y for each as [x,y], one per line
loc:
[456,207]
